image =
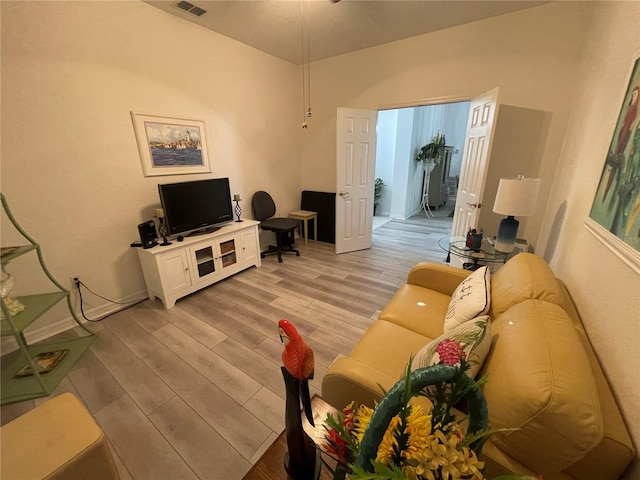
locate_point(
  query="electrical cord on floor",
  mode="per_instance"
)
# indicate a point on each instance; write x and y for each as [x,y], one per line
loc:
[126,305]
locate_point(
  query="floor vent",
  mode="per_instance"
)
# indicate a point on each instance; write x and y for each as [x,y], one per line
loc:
[191,8]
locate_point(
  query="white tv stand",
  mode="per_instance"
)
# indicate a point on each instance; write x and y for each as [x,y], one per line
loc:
[174,271]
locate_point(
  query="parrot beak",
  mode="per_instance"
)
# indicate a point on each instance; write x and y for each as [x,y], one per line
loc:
[283,336]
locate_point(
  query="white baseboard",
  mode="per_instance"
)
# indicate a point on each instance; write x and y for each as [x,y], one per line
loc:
[8,343]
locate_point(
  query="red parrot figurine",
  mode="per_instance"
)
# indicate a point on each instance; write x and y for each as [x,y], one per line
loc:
[298,360]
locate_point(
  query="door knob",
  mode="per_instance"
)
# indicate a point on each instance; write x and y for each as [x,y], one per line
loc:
[474,205]
[342,194]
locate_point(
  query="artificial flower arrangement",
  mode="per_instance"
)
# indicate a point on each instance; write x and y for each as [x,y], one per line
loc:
[400,440]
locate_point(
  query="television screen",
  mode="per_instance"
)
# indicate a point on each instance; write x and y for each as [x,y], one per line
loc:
[201,204]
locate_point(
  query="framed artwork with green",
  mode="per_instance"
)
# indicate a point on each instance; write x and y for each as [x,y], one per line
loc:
[615,213]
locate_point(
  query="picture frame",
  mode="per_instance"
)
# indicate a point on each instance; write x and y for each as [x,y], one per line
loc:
[170,145]
[614,218]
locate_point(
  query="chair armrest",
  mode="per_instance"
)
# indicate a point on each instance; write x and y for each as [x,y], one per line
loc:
[437,277]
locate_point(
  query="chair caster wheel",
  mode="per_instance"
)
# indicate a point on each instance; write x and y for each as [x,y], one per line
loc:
[262,255]
[279,260]
[297,254]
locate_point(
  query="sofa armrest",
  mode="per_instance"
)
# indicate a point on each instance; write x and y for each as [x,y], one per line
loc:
[348,380]
[437,277]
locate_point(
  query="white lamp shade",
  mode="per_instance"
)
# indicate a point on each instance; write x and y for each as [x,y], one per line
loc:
[517,196]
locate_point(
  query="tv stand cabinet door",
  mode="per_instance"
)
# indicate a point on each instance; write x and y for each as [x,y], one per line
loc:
[175,276]
[250,248]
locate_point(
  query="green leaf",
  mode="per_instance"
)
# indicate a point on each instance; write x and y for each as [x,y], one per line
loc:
[380,472]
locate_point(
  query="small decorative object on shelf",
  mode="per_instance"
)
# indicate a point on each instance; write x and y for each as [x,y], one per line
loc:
[44,362]
[13,305]
[302,460]
[162,227]
[238,210]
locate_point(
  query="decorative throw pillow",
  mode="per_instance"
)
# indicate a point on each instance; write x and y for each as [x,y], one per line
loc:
[471,339]
[471,299]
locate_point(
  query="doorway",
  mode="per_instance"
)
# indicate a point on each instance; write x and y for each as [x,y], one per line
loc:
[356,159]
[400,134]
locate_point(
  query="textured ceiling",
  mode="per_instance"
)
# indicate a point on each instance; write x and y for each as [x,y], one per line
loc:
[275,26]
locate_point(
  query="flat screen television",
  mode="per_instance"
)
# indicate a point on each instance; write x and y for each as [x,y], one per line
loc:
[200,206]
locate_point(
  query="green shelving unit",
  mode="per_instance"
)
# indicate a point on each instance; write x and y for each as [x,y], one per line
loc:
[16,389]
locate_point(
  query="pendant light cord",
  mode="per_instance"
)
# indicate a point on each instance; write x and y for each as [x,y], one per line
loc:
[308,60]
[306,69]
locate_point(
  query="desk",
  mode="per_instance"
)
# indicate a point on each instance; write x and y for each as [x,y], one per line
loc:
[270,466]
[305,216]
[486,254]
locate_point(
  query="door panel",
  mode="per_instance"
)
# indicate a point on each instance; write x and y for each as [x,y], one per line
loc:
[475,163]
[355,167]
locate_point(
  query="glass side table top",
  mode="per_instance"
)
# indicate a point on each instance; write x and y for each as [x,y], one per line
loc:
[486,253]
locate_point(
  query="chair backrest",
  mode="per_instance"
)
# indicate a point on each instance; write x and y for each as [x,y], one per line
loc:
[263,206]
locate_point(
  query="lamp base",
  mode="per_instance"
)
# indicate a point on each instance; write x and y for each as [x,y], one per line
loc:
[506,238]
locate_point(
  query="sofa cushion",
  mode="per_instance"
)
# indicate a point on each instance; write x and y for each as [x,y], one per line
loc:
[470,299]
[418,309]
[525,276]
[387,347]
[541,383]
[474,339]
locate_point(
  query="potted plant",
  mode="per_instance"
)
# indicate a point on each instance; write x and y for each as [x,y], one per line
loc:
[377,193]
[432,153]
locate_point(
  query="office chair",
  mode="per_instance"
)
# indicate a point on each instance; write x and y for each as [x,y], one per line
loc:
[263,210]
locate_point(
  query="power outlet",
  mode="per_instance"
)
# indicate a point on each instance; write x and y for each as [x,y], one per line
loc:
[73,279]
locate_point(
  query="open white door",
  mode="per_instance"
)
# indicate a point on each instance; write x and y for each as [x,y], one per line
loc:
[475,161]
[355,167]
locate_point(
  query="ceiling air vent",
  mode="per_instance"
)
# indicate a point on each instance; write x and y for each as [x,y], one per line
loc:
[191,8]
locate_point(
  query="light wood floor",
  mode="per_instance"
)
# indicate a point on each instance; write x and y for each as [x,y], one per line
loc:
[196,391]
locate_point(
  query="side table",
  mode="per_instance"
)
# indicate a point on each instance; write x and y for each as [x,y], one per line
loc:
[485,255]
[305,216]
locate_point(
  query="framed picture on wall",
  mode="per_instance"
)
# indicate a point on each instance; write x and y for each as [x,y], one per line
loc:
[615,212]
[170,146]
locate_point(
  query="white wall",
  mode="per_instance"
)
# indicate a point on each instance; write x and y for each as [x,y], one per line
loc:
[456,128]
[406,189]
[72,72]
[531,55]
[385,158]
[606,290]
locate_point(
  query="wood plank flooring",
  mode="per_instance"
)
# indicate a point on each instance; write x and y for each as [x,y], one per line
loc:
[195,392]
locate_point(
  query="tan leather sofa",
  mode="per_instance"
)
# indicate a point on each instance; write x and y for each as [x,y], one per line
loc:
[544,377]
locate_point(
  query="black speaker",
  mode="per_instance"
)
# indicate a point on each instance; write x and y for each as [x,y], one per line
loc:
[148,235]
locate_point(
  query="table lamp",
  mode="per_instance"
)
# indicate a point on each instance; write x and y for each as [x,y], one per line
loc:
[515,197]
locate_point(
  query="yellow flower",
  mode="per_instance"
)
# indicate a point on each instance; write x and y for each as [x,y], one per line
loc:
[385,449]
[361,419]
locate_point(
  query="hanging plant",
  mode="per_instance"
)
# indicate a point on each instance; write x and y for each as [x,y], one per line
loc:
[434,151]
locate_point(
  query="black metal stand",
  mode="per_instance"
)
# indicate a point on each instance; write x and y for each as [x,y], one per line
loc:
[163,231]
[238,210]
